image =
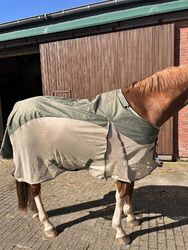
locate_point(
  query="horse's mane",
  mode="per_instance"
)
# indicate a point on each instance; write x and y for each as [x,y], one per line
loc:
[172,77]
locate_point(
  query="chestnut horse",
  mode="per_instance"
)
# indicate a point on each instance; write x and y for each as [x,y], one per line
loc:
[155,99]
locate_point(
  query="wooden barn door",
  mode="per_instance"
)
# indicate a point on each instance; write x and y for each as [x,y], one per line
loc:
[84,67]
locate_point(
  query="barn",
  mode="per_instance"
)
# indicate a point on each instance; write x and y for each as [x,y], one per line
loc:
[84,51]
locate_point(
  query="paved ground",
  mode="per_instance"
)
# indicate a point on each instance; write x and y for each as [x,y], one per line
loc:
[81,207]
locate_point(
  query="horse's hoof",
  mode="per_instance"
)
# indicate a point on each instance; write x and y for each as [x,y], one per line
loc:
[123,240]
[133,223]
[51,233]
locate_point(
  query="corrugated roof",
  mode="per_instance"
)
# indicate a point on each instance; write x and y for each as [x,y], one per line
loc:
[87,16]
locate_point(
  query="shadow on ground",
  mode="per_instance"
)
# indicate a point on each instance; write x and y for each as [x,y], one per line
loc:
[149,202]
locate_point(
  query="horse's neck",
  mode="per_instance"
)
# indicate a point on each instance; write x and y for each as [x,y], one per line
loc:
[157,108]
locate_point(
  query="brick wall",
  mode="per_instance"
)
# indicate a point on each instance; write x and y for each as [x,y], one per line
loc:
[182,58]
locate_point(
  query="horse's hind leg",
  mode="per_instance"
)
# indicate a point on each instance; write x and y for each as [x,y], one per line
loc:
[32,205]
[127,208]
[122,191]
[48,227]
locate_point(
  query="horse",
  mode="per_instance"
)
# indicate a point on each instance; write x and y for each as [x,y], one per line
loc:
[108,139]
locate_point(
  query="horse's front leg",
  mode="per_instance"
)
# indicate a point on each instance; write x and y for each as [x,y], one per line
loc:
[48,226]
[127,208]
[122,190]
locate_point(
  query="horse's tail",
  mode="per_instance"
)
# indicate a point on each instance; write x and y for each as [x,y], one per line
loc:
[23,194]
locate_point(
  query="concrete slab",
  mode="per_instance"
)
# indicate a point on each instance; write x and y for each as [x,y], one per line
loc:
[172,173]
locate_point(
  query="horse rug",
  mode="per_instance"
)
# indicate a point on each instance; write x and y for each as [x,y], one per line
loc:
[46,136]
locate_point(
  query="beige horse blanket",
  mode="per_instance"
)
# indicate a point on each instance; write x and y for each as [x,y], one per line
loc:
[46,136]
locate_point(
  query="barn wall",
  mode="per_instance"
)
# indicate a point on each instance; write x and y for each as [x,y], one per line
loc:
[95,64]
[182,58]
[84,67]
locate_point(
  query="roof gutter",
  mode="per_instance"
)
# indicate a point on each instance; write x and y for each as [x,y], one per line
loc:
[96,20]
[67,12]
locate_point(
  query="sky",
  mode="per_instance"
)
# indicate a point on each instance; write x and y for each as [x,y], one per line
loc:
[11,10]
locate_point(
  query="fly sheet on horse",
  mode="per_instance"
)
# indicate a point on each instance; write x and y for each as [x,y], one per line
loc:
[50,135]
[114,134]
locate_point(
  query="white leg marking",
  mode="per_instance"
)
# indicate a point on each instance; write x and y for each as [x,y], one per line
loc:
[116,221]
[36,215]
[127,209]
[32,204]
[43,216]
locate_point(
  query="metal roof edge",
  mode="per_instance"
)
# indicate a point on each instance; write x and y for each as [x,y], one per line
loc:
[96,20]
[81,10]
[98,6]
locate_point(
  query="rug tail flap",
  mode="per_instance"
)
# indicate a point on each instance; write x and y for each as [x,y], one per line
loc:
[6,147]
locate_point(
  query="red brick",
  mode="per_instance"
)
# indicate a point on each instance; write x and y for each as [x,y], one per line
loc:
[182,28]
